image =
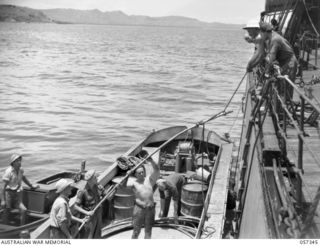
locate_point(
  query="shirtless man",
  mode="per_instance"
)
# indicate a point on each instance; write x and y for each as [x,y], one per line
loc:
[144,208]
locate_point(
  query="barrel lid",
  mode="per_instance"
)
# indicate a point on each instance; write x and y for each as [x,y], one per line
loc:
[197,187]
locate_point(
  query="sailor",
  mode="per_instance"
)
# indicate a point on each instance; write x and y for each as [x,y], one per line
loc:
[60,215]
[279,51]
[275,25]
[12,188]
[144,208]
[253,36]
[171,186]
[87,199]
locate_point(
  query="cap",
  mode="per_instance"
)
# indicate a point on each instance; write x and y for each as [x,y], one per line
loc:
[160,181]
[14,157]
[265,27]
[62,184]
[254,23]
[89,174]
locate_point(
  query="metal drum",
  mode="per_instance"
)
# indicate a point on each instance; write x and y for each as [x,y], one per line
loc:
[123,201]
[192,199]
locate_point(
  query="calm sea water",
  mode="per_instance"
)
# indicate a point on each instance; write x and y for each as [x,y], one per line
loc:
[88,92]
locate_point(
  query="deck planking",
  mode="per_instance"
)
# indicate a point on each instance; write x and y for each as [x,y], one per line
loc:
[217,205]
[311,166]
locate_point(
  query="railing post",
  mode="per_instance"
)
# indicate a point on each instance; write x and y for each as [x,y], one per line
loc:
[300,160]
[316,52]
[300,150]
[283,111]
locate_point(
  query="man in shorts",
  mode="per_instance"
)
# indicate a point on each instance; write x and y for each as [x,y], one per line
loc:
[12,188]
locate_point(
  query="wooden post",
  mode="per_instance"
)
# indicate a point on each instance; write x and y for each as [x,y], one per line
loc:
[283,111]
[316,54]
[300,151]
[300,161]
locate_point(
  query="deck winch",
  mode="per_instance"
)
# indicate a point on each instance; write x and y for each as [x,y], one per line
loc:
[185,157]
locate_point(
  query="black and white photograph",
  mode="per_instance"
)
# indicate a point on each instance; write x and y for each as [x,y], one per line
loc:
[159,119]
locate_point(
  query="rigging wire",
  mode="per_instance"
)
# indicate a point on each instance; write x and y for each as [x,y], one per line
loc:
[235,119]
[309,17]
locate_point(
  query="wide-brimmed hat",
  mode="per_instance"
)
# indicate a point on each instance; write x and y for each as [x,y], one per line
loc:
[265,27]
[254,23]
[15,157]
[89,174]
[62,184]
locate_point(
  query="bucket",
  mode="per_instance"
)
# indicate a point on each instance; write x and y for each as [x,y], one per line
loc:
[123,201]
[192,198]
[202,175]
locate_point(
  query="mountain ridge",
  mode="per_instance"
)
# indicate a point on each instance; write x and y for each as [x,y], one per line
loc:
[13,13]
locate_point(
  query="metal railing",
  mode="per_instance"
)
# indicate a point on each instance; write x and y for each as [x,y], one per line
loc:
[309,49]
[295,114]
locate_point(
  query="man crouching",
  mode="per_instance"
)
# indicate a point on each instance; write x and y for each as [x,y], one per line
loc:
[144,208]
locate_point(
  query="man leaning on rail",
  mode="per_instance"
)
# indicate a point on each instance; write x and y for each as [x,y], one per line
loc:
[279,51]
[253,36]
[12,188]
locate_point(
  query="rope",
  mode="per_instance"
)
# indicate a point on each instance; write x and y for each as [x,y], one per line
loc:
[235,120]
[284,15]
[162,223]
[309,17]
[223,112]
[236,90]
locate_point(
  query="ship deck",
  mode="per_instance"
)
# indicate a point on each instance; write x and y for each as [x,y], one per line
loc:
[311,165]
[215,216]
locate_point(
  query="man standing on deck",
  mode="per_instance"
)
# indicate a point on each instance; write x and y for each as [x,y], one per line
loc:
[279,51]
[12,188]
[171,186]
[254,37]
[144,208]
[87,199]
[60,214]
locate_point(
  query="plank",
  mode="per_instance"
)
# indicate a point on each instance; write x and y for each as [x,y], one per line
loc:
[271,147]
[217,205]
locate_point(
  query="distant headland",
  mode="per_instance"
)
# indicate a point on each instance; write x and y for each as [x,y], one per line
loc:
[12,13]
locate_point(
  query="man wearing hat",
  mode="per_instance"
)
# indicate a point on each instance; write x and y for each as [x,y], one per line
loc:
[254,37]
[279,51]
[11,193]
[87,198]
[60,214]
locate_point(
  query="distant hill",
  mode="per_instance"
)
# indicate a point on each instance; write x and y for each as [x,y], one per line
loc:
[71,16]
[11,13]
[119,18]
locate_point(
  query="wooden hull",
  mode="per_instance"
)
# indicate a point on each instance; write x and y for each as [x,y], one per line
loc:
[204,141]
[253,217]
[38,203]
[14,231]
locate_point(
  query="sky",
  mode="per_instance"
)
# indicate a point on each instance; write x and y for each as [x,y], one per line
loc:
[225,11]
